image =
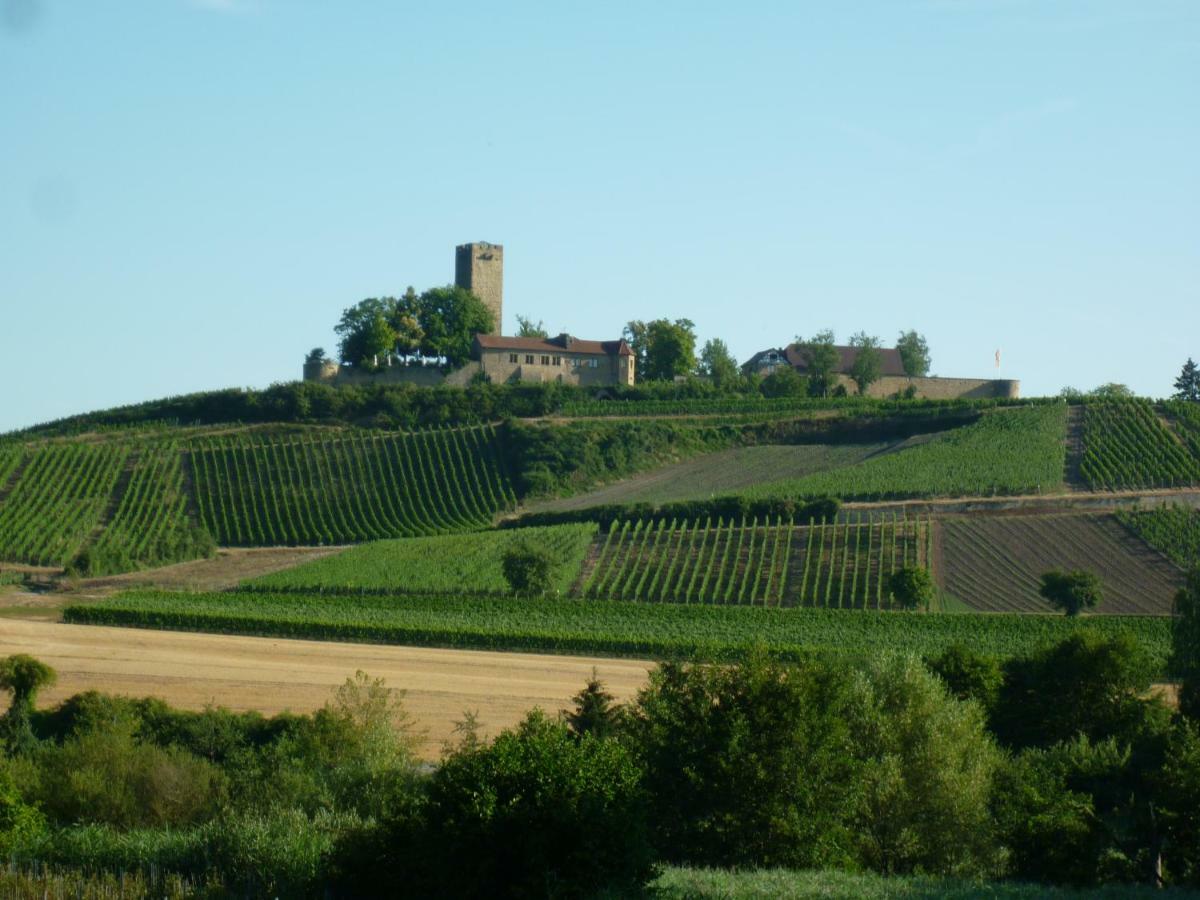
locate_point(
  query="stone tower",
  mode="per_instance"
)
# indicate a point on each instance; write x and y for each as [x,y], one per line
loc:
[479,267]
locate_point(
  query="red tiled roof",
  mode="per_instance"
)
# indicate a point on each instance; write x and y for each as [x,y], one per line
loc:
[560,345]
[889,359]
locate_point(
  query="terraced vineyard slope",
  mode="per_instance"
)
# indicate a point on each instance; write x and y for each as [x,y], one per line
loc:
[1173,530]
[338,489]
[993,563]
[760,563]
[1127,446]
[1008,451]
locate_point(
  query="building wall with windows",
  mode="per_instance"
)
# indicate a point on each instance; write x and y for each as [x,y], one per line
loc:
[563,359]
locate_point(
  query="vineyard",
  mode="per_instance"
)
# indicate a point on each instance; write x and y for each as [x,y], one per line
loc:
[105,506]
[446,564]
[1128,447]
[631,629]
[57,501]
[1172,530]
[765,563]
[345,489]
[1008,451]
[995,563]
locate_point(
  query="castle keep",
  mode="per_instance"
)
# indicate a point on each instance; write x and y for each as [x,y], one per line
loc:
[479,268]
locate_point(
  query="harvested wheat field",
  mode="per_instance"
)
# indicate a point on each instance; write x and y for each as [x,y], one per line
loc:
[246,673]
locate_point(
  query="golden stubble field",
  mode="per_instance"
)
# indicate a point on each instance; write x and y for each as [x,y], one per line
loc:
[270,675]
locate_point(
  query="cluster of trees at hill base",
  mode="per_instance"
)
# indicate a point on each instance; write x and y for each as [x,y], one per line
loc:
[438,326]
[1058,766]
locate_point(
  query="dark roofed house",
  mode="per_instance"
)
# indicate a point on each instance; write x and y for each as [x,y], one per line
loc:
[568,359]
[767,361]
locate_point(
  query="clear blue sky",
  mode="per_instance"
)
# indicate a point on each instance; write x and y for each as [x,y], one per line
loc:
[192,190]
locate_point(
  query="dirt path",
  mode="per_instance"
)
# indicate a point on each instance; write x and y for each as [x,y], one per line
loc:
[191,670]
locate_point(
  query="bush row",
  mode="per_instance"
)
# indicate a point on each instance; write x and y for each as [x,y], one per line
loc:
[733,506]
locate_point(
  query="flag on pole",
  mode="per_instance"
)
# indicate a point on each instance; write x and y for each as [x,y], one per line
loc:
[997,359]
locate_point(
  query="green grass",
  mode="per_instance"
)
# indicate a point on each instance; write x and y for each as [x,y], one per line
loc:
[449,564]
[628,629]
[1008,451]
[701,884]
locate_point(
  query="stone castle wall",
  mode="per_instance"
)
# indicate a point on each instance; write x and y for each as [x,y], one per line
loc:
[930,388]
[479,268]
[421,376]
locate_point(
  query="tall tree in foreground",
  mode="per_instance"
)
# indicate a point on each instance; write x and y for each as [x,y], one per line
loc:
[22,676]
[868,363]
[1185,645]
[914,354]
[1187,385]
[821,357]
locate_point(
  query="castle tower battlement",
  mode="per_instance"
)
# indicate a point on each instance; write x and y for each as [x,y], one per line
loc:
[479,268]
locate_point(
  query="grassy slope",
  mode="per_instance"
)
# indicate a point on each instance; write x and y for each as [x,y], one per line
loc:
[699,884]
[629,629]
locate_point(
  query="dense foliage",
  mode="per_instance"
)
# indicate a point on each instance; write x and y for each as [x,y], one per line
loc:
[632,629]
[445,564]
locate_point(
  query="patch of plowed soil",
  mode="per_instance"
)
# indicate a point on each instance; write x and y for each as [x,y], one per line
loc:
[994,563]
[225,570]
[271,675]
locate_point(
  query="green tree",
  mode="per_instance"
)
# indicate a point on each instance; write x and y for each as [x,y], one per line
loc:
[450,317]
[22,676]
[746,764]
[914,354]
[539,812]
[406,323]
[1071,591]
[1187,385]
[1111,391]
[1084,684]
[662,349]
[785,382]
[717,363]
[365,332]
[528,569]
[821,357]
[1178,800]
[530,329]
[868,362]
[911,587]
[969,675]
[20,824]
[316,356]
[901,718]
[595,712]
[1185,645]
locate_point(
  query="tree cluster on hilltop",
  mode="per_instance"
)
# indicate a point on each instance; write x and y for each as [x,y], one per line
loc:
[438,324]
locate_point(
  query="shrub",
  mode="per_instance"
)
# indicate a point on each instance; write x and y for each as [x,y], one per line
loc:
[911,587]
[537,812]
[1071,591]
[22,676]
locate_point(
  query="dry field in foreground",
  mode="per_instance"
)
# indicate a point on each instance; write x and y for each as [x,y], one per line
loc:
[270,675]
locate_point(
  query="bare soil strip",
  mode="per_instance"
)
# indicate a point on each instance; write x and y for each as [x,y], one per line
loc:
[270,675]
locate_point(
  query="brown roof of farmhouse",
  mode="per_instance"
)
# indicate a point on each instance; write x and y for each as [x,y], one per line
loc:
[889,359]
[564,343]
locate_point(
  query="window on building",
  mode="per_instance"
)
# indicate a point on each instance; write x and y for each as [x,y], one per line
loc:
[529,359]
[575,362]
[594,363]
[557,361]
[545,360]
[512,357]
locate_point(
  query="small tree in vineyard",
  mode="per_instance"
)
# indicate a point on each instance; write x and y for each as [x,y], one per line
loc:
[1072,592]
[527,569]
[911,587]
[22,676]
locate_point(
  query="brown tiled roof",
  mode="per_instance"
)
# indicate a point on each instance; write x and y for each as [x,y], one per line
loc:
[889,360]
[562,344]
